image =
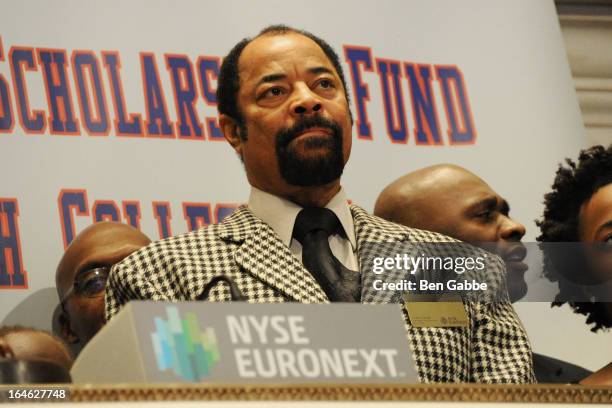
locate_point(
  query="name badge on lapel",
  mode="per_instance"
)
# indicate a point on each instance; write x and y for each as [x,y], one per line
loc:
[426,310]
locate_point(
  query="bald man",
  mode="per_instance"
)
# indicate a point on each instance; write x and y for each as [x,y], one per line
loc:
[82,274]
[451,200]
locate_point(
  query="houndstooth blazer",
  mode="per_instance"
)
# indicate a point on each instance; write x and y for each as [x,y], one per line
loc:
[492,349]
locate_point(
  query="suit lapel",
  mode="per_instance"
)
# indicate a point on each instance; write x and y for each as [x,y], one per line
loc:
[370,228]
[262,254]
[378,238]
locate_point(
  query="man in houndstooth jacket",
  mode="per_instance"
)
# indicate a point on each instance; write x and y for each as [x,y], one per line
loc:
[284,109]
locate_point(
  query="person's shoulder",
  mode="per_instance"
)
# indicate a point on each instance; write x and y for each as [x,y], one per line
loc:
[364,219]
[375,230]
[193,246]
[552,370]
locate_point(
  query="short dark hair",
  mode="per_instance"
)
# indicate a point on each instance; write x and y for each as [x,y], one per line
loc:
[573,186]
[229,80]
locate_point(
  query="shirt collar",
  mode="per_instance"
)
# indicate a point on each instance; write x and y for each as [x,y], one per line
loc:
[280,214]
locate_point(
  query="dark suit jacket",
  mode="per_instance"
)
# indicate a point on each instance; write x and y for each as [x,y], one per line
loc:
[493,348]
[550,370]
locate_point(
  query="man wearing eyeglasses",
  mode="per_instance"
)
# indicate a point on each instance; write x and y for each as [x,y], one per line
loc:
[82,273]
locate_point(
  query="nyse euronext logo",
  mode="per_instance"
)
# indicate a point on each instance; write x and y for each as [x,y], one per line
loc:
[182,347]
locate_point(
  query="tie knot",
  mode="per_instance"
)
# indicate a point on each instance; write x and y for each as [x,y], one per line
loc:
[315,219]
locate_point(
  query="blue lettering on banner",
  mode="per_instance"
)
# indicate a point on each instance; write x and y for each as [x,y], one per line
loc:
[105,210]
[209,71]
[192,124]
[69,200]
[131,212]
[185,96]
[123,125]
[395,112]
[223,210]
[214,132]
[461,124]
[96,121]
[157,123]
[208,67]
[197,215]
[6,112]
[73,202]
[12,273]
[20,59]
[53,63]
[427,129]
[356,57]
[161,212]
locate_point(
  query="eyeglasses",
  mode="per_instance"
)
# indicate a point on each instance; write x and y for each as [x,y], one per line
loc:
[90,283]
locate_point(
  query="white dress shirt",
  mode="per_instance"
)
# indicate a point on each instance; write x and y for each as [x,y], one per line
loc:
[280,214]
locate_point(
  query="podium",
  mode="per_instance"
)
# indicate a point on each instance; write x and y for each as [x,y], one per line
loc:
[240,343]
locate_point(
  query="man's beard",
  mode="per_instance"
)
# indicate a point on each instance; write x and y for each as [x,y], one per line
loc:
[312,170]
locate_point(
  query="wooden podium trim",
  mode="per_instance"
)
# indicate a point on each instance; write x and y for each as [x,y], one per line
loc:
[416,392]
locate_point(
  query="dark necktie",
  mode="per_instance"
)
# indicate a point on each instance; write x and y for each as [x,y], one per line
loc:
[312,229]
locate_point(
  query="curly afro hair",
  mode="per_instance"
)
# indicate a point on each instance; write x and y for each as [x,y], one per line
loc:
[573,186]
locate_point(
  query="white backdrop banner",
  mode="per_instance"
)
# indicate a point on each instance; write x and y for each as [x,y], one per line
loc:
[108,111]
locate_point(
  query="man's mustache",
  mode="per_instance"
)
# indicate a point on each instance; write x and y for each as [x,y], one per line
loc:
[285,136]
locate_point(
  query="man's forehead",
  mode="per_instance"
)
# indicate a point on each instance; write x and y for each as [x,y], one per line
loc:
[98,241]
[470,185]
[107,234]
[270,53]
[478,193]
[465,193]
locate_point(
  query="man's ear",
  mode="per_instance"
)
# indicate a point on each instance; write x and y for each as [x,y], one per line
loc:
[68,335]
[231,132]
